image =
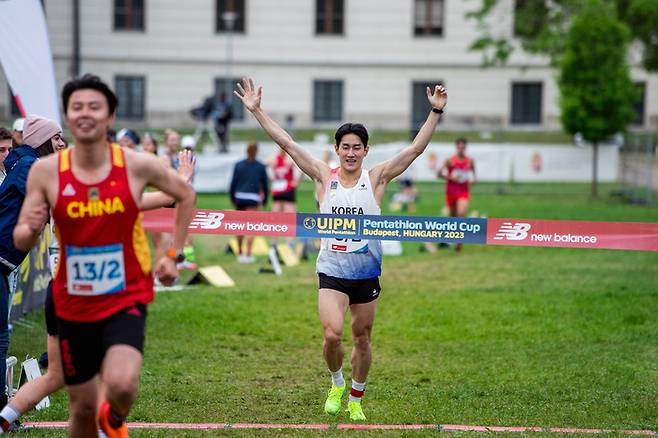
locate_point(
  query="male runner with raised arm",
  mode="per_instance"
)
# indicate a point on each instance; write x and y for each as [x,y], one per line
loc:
[348,270]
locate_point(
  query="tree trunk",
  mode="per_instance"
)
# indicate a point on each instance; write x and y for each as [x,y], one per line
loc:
[595,166]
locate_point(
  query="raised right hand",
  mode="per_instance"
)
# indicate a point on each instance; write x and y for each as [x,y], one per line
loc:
[249,96]
[187,162]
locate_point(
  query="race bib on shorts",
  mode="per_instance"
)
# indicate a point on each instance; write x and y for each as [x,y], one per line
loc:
[352,246]
[279,185]
[95,270]
[461,175]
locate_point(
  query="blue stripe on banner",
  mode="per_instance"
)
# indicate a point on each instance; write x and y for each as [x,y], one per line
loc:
[409,228]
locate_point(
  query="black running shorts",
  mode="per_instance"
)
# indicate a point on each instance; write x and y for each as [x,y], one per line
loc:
[83,344]
[289,196]
[359,291]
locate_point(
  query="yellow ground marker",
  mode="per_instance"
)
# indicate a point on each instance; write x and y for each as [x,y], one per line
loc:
[288,257]
[216,276]
[259,249]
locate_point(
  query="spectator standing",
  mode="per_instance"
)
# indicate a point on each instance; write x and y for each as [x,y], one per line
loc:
[128,138]
[17,132]
[219,108]
[249,189]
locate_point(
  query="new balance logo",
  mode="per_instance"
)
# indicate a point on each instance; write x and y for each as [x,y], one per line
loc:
[68,190]
[512,231]
[207,220]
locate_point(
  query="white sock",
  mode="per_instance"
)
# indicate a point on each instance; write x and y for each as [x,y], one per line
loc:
[337,377]
[10,414]
[357,391]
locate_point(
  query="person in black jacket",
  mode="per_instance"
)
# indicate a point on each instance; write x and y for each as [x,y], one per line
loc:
[249,189]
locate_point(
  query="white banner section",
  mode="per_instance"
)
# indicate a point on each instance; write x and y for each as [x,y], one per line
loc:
[26,57]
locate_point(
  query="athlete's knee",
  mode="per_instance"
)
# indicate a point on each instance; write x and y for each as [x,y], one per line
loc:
[361,339]
[54,380]
[332,337]
[122,390]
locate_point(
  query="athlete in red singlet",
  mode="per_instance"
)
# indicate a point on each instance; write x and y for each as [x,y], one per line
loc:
[106,214]
[102,281]
[459,172]
[285,176]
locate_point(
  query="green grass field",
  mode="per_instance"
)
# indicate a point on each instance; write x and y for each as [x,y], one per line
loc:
[491,336]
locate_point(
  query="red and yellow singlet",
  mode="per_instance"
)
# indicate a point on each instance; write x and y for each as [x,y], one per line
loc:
[105,263]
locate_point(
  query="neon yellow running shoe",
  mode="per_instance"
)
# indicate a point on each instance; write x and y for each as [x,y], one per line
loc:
[188,250]
[356,412]
[332,405]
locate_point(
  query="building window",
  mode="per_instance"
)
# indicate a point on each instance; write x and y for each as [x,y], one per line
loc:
[230,16]
[327,101]
[428,18]
[329,17]
[129,15]
[526,102]
[420,107]
[237,109]
[130,92]
[639,104]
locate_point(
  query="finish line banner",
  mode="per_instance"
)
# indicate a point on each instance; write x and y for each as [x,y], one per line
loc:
[514,232]
[403,228]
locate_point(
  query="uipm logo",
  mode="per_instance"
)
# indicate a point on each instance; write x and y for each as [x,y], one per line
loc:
[207,220]
[512,231]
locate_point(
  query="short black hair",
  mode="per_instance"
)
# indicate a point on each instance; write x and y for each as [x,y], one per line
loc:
[89,81]
[5,134]
[461,140]
[352,128]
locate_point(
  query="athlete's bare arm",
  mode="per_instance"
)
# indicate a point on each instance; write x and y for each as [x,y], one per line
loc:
[473,177]
[34,212]
[383,173]
[155,200]
[443,171]
[146,170]
[251,98]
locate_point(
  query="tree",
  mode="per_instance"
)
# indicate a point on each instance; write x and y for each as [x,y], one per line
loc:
[540,26]
[596,91]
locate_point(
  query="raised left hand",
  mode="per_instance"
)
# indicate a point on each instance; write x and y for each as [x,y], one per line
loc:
[438,98]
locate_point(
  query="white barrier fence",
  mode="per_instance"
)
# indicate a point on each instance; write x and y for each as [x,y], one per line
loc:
[494,162]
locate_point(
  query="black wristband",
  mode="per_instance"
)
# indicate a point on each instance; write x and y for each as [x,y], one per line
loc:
[436,110]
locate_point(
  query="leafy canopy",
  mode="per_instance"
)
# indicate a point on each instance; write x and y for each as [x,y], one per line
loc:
[540,26]
[596,92]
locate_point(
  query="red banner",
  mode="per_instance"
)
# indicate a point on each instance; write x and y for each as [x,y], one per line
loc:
[514,232]
[573,234]
[225,222]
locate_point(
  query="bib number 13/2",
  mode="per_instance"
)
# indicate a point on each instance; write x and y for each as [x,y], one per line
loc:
[95,270]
